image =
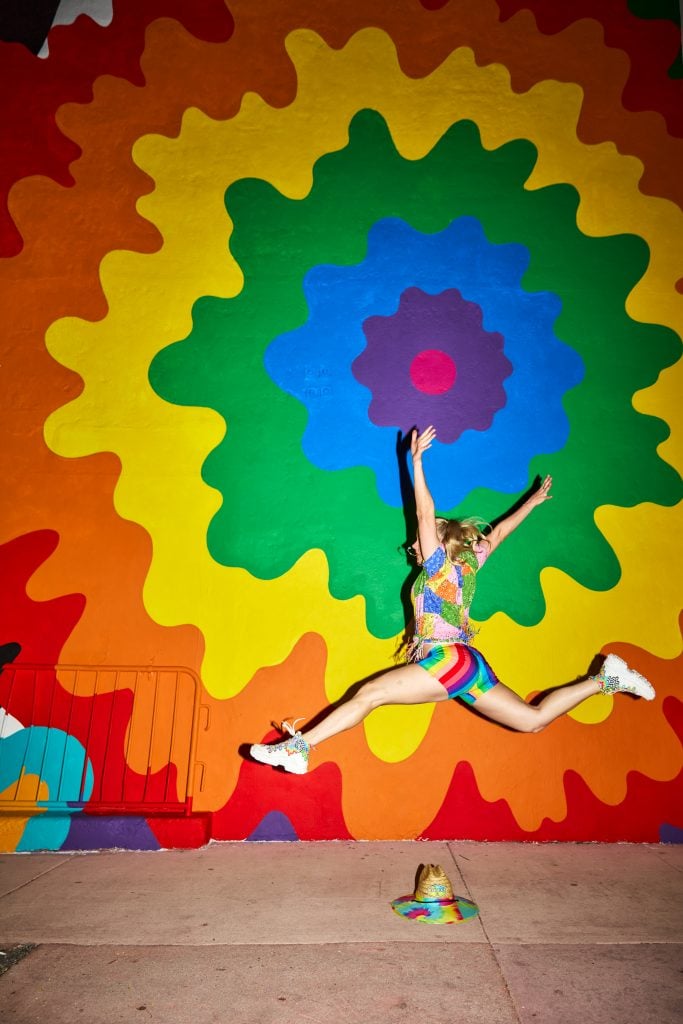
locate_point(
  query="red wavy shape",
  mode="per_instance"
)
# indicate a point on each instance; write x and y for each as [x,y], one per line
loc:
[180,833]
[41,628]
[647,806]
[651,44]
[33,89]
[312,803]
[529,54]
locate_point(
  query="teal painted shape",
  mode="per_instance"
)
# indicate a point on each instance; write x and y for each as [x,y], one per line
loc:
[57,759]
[45,832]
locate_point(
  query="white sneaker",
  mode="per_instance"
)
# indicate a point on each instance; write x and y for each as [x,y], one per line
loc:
[291,754]
[616,677]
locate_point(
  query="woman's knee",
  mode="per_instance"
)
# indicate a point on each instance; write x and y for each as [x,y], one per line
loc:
[504,706]
[531,721]
[372,695]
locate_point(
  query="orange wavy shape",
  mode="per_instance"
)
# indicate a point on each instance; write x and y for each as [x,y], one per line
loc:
[297,687]
[213,76]
[182,71]
[227,725]
[576,54]
[526,771]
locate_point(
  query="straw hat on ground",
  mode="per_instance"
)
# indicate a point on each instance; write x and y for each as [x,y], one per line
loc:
[433,900]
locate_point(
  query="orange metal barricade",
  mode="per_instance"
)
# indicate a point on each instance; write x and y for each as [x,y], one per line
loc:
[137,725]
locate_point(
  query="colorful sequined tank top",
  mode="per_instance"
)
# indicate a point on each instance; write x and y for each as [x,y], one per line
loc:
[442,595]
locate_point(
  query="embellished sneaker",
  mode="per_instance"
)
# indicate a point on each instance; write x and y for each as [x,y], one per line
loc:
[291,754]
[616,677]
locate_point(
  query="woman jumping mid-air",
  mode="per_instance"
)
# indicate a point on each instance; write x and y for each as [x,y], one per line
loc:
[442,664]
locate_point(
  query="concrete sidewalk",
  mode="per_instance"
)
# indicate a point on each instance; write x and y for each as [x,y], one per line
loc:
[303,932]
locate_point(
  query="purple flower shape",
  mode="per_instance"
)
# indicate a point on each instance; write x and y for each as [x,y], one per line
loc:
[432,362]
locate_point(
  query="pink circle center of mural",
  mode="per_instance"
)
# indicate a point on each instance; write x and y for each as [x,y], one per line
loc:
[433,372]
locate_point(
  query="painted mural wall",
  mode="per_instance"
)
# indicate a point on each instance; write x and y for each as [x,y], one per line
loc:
[245,249]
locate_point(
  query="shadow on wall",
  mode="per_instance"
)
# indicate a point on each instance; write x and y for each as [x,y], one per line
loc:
[8,652]
[27,23]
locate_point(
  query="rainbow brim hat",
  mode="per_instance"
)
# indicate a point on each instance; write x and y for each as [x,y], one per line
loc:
[433,901]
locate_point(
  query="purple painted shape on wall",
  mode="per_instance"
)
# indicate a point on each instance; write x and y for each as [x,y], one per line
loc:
[433,332]
[274,828]
[92,832]
[670,834]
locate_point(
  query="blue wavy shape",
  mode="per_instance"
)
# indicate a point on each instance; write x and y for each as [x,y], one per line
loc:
[313,362]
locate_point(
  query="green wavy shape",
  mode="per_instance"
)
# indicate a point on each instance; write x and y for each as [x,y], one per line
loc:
[277,505]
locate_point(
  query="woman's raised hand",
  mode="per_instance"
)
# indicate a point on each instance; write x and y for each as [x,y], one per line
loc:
[543,492]
[419,443]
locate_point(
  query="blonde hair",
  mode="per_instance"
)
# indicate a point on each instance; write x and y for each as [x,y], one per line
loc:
[458,535]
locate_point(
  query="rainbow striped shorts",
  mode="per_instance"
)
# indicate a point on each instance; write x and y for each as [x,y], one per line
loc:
[464,672]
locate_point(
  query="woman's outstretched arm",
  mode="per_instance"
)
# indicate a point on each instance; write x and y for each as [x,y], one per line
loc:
[511,522]
[424,503]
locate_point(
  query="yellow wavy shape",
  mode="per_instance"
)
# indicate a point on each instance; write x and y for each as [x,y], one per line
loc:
[664,400]
[578,622]
[150,298]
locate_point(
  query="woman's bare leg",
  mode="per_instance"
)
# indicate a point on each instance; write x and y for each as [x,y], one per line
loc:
[505,706]
[408,684]
[412,684]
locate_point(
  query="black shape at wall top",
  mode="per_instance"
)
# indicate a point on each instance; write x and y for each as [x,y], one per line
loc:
[27,21]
